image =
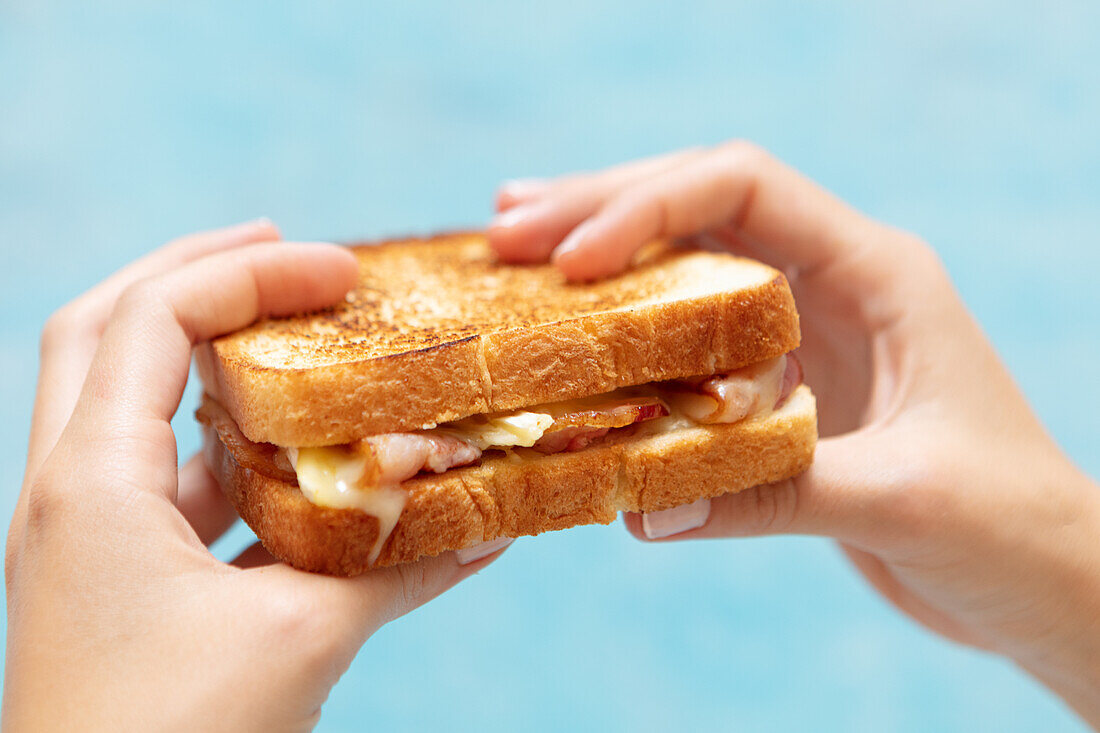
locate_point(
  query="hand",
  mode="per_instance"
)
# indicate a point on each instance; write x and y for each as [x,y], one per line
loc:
[939,483]
[119,617]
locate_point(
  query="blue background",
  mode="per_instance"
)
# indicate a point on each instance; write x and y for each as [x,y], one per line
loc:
[974,124]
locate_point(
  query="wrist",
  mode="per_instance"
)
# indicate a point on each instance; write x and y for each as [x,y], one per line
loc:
[1068,663]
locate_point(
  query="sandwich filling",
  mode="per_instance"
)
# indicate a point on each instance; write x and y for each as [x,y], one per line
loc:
[367,474]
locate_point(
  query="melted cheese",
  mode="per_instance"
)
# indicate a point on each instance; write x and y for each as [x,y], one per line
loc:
[748,392]
[502,430]
[332,477]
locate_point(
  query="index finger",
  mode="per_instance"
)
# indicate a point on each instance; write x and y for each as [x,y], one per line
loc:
[140,368]
[72,334]
[801,225]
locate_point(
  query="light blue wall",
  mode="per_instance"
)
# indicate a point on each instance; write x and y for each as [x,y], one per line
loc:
[974,124]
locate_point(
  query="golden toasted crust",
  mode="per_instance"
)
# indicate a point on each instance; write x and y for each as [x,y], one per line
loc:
[510,497]
[437,330]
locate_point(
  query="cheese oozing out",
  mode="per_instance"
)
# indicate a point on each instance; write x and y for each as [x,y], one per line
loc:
[518,428]
[333,476]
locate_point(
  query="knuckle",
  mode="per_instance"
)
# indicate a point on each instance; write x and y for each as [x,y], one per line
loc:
[743,151]
[138,294]
[49,504]
[412,584]
[912,254]
[773,507]
[298,617]
[764,509]
[918,250]
[12,556]
[62,325]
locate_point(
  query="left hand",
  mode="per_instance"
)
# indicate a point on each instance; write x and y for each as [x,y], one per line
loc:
[119,616]
[933,474]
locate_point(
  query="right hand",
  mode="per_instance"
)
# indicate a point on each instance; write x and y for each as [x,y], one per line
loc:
[938,481]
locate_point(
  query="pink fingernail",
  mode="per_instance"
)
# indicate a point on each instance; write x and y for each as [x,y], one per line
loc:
[262,221]
[468,555]
[679,519]
[250,227]
[511,217]
[521,186]
[572,241]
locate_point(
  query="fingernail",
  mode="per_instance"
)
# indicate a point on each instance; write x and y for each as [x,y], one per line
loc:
[572,242]
[521,186]
[676,520]
[468,555]
[260,223]
[511,217]
[248,228]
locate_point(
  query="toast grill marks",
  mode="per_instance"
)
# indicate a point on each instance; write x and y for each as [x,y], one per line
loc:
[435,332]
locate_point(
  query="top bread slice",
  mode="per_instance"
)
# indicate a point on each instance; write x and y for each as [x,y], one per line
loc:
[437,330]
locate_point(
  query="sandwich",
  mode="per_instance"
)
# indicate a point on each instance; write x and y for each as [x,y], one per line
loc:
[453,400]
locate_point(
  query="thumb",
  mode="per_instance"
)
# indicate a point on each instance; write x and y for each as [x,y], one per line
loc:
[846,493]
[356,607]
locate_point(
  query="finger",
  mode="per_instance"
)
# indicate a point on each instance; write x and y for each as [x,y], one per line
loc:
[179,251]
[541,215]
[200,500]
[520,190]
[255,555]
[849,492]
[380,596]
[70,339]
[338,614]
[801,224]
[727,239]
[523,190]
[140,368]
[529,233]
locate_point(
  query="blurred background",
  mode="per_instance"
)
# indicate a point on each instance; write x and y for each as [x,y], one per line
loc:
[974,124]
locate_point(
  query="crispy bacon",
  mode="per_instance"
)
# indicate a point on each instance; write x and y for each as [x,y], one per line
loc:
[575,430]
[568,439]
[611,414]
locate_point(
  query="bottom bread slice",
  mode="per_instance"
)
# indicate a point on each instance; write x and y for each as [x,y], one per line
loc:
[509,496]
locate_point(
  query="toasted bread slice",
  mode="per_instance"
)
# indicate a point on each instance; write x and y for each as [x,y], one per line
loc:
[438,330]
[511,496]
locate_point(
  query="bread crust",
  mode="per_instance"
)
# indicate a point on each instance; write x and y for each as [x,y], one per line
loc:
[677,314]
[512,496]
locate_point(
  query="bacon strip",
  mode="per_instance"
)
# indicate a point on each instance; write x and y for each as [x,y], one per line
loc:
[792,377]
[263,458]
[729,398]
[395,457]
[573,431]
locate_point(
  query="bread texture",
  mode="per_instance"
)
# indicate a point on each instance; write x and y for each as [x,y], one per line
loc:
[437,330]
[655,467]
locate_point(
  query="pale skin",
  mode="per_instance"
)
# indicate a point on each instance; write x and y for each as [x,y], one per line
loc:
[936,478]
[119,618]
